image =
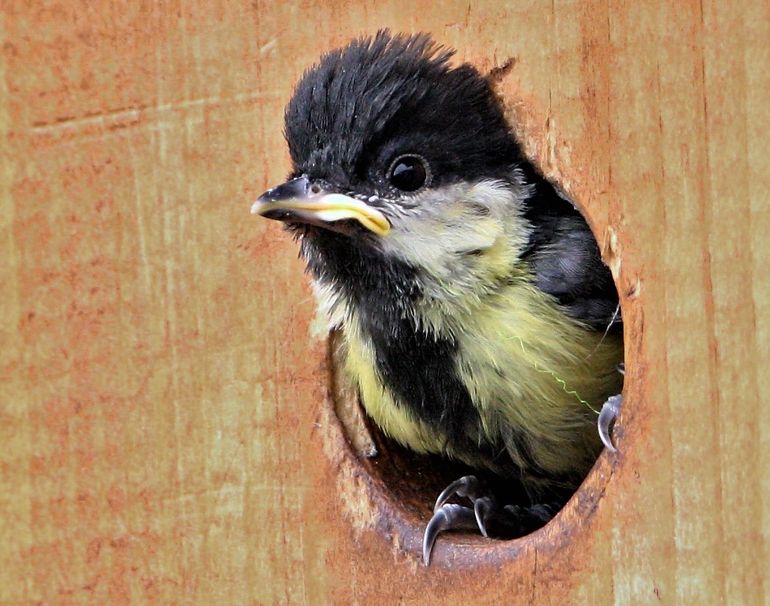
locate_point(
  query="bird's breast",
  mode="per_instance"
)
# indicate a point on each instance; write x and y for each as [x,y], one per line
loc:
[396,418]
[510,386]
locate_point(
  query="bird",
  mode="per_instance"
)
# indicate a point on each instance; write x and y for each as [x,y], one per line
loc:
[479,322]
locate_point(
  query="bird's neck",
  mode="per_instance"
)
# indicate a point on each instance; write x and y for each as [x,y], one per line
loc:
[352,277]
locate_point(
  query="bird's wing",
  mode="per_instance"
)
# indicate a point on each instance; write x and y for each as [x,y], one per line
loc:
[566,261]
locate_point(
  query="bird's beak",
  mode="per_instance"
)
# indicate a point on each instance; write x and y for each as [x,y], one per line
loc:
[301,201]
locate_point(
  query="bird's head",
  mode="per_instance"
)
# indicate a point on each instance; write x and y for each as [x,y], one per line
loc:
[403,167]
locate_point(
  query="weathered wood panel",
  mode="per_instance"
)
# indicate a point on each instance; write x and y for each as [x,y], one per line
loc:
[165,417]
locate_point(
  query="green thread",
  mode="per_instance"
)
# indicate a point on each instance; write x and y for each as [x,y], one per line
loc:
[556,378]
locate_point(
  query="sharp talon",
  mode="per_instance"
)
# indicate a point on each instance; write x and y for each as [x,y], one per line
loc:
[487,514]
[621,368]
[607,415]
[447,517]
[436,526]
[482,508]
[467,486]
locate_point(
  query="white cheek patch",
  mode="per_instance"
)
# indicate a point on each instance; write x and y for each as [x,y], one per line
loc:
[449,223]
[462,239]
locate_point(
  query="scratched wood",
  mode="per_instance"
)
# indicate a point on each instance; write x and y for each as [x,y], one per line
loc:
[166,425]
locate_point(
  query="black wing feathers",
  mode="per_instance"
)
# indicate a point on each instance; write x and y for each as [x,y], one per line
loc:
[566,260]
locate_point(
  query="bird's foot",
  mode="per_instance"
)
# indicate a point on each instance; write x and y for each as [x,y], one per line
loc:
[485,514]
[608,414]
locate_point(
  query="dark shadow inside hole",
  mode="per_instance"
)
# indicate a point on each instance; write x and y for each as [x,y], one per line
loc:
[413,480]
[416,480]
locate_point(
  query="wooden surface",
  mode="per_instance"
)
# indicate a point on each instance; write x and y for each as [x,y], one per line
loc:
[166,428]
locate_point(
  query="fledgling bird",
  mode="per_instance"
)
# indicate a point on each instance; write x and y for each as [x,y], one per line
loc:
[478,318]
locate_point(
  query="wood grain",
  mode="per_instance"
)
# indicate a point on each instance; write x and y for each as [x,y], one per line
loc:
[165,414]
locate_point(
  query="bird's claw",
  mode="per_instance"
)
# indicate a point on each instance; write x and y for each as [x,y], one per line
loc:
[607,416]
[508,520]
[467,486]
[482,510]
[447,517]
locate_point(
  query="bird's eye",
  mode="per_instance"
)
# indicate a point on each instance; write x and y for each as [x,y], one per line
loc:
[408,173]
